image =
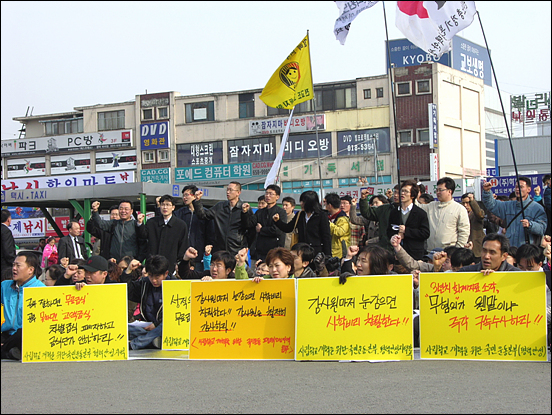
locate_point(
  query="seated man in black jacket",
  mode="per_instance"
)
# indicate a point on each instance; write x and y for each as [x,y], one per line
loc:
[148,293]
[493,256]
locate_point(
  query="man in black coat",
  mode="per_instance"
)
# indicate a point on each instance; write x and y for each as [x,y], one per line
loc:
[103,237]
[72,246]
[200,231]
[409,221]
[268,234]
[167,235]
[8,243]
[230,234]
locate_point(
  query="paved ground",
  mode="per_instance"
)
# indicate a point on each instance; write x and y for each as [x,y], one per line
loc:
[184,386]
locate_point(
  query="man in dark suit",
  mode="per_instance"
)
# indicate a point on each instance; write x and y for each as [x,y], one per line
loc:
[409,221]
[72,246]
[8,243]
[167,235]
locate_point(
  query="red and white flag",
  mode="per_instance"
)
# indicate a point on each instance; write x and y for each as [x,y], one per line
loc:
[348,11]
[431,25]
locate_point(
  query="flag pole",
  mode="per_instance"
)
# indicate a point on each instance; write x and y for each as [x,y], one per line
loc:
[316,125]
[526,232]
[392,96]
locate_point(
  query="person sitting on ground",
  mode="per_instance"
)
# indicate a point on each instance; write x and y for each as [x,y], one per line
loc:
[221,267]
[371,260]
[439,258]
[95,272]
[511,258]
[52,274]
[73,273]
[131,269]
[530,257]
[303,255]
[461,257]
[493,256]
[261,269]
[26,270]
[148,293]
[280,263]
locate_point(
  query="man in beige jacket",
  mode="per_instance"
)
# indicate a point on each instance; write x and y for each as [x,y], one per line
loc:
[449,224]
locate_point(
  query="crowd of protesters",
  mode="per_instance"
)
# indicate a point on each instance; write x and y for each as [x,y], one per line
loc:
[403,231]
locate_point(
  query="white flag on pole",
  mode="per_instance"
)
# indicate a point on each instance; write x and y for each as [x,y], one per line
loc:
[348,11]
[272,177]
[431,25]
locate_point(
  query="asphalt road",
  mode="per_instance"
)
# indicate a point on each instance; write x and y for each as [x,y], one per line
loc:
[184,386]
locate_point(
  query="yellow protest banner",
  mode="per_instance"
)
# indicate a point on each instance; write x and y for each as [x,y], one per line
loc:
[367,318]
[470,316]
[176,314]
[63,324]
[243,319]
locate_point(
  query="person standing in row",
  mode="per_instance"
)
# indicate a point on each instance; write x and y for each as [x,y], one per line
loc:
[72,246]
[166,235]
[268,234]
[8,243]
[124,240]
[312,224]
[226,216]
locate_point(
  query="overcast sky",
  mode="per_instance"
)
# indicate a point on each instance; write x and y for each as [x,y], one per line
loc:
[61,55]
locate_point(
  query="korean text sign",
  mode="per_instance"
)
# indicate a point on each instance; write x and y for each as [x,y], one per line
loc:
[469,316]
[176,315]
[367,318]
[63,324]
[243,319]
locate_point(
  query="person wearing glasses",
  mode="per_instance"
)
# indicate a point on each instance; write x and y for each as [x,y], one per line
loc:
[226,216]
[409,221]
[449,224]
[268,234]
[124,240]
[166,235]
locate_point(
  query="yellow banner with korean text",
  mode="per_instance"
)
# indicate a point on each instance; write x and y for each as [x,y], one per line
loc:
[291,84]
[470,316]
[367,318]
[63,324]
[176,314]
[242,319]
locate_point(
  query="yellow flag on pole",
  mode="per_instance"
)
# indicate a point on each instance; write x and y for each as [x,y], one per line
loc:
[291,84]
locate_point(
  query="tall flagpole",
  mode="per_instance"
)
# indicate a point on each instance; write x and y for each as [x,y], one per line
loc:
[316,125]
[526,232]
[392,96]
